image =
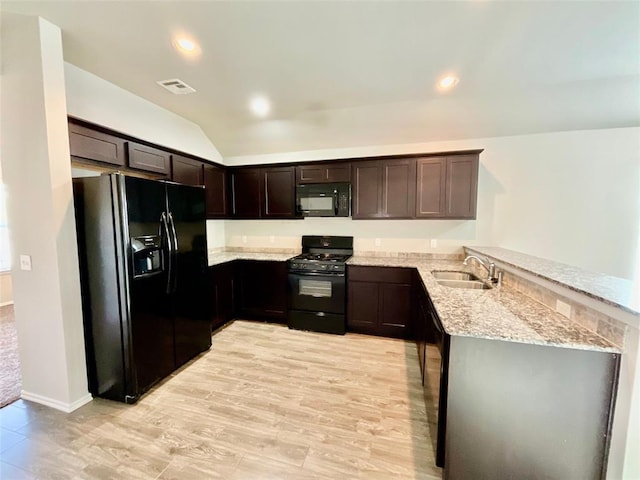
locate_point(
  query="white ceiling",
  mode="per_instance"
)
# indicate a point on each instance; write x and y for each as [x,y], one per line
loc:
[342,74]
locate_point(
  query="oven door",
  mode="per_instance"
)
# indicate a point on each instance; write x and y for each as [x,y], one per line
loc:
[317,292]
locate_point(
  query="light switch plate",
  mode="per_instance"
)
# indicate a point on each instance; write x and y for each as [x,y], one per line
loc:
[25,262]
[244,239]
[563,308]
[272,239]
[434,243]
[377,242]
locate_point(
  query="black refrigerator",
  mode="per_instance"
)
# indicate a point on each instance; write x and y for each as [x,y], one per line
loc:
[143,258]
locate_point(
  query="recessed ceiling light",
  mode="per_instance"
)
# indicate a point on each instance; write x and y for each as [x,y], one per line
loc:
[447,82]
[260,106]
[186,44]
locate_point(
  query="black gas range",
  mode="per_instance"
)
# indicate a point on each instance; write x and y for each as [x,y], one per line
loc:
[317,284]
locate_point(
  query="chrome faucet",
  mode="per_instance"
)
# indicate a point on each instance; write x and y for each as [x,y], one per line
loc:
[489,266]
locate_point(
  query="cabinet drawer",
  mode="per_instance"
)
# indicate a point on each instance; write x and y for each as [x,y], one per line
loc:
[93,145]
[380,274]
[148,158]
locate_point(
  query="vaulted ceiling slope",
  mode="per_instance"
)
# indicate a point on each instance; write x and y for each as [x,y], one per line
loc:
[341,74]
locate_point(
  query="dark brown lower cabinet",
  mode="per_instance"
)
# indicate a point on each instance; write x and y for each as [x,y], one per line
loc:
[223,280]
[262,289]
[380,301]
[528,411]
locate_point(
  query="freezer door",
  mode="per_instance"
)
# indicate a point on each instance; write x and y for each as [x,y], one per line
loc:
[103,283]
[150,320]
[192,324]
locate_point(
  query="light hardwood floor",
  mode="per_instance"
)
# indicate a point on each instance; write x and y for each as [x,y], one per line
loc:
[264,403]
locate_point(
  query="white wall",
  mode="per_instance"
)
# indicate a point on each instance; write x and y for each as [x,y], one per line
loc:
[573,197]
[36,169]
[95,100]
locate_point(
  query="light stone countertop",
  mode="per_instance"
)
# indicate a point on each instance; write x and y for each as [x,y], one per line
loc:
[615,291]
[223,257]
[501,313]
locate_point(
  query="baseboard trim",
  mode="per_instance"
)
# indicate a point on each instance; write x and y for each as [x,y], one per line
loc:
[57,404]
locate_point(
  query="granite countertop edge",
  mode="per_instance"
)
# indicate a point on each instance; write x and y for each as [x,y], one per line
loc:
[600,287]
[224,257]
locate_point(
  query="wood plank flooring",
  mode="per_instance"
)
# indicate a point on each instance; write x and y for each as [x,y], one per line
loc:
[265,402]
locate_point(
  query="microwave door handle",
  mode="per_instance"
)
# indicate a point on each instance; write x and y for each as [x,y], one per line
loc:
[335,202]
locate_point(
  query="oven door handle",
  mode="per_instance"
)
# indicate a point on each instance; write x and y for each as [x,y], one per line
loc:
[317,274]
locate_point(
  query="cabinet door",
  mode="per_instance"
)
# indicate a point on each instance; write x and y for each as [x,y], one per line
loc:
[340,172]
[149,159]
[398,188]
[311,174]
[263,289]
[215,183]
[362,307]
[395,310]
[367,179]
[431,183]
[335,172]
[279,192]
[92,145]
[222,278]
[246,189]
[185,170]
[462,186]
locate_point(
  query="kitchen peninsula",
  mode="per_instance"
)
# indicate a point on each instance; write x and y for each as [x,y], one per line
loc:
[505,353]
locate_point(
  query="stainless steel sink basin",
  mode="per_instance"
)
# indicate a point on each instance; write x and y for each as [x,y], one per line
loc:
[451,275]
[468,284]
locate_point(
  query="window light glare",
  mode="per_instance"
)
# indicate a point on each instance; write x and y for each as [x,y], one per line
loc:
[260,106]
[447,82]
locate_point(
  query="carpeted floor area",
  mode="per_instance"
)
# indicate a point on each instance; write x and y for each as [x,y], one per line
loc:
[10,379]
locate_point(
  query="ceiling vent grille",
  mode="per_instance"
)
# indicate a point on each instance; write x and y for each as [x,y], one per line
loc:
[176,86]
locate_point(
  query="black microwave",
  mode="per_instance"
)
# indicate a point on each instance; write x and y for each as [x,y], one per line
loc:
[324,200]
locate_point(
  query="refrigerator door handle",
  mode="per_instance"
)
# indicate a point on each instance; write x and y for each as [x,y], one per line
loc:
[175,250]
[165,226]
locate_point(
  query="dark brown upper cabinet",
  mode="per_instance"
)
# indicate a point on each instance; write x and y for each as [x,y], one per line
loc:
[215,183]
[384,188]
[246,193]
[430,194]
[186,170]
[447,187]
[263,192]
[88,144]
[149,159]
[279,192]
[334,172]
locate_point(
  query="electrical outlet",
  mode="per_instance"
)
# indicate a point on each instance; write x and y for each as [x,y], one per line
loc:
[377,242]
[25,262]
[244,239]
[563,308]
[434,243]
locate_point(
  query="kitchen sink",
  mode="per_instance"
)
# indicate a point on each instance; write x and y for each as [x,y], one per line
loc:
[454,279]
[468,284]
[452,275]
